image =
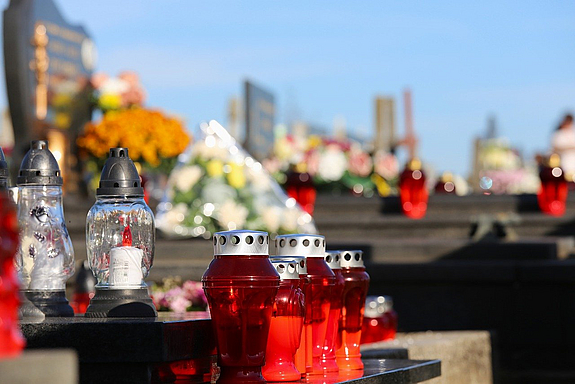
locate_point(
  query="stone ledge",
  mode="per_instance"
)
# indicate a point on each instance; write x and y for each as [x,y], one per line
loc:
[54,366]
[465,355]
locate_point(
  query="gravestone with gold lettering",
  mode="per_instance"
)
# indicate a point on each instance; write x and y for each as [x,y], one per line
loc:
[48,64]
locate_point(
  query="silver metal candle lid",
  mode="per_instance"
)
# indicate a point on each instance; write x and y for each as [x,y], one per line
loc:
[300,260]
[375,306]
[351,259]
[119,176]
[332,258]
[241,242]
[39,166]
[300,245]
[286,269]
[3,171]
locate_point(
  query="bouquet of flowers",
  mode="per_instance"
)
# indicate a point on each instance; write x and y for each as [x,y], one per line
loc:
[176,296]
[335,165]
[218,186]
[154,139]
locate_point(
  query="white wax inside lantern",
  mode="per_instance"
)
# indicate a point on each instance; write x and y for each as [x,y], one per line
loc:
[126,267]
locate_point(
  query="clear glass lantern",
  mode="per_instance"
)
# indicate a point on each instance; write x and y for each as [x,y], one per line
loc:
[120,236]
[120,241]
[46,257]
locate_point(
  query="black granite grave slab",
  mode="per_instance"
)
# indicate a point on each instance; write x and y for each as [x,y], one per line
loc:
[383,371]
[169,337]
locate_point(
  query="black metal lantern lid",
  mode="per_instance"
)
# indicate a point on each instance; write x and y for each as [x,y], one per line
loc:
[39,166]
[3,166]
[120,176]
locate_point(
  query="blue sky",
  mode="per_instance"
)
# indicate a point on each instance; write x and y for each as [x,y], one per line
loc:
[462,60]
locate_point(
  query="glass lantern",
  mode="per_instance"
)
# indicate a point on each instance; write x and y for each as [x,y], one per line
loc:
[46,257]
[120,235]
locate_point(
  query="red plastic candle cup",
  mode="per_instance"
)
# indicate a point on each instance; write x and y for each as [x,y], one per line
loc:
[328,360]
[318,301]
[241,285]
[11,340]
[299,185]
[553,193]
[351,320]
[305,285]
[412,191]
[445,185]
[286,325]
[379,320]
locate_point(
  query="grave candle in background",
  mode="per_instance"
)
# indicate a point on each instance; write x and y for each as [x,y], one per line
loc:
[351,320]
[552,195]
[412,190]
[241,285]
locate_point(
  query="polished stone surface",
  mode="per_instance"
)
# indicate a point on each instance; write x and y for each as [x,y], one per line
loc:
[169,337]
[383,371]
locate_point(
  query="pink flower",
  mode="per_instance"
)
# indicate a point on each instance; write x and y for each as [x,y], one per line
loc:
[98,79]
[312,161]
[386,165]
[360,162]
[194,292]
[180,304]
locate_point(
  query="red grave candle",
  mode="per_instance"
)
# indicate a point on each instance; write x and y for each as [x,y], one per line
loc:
[303,360]
[445,185]
[412,191]
[286,325]
[351,320]
[241,285]
[379,321]
[299,185]
[318,301]
[11,340]
[328,360]
[553,193]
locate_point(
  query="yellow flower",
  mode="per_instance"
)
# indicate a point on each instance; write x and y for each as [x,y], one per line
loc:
[110,101]
[236,177]
[215,168]
[382,187]
[62,120]
[313,141]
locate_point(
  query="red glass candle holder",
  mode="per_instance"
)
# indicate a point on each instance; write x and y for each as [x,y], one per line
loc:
[11,340]
[379,321]
[445,185]
[412,191]
[351,320]
[286,325]
[552,195]
[328,360]
[302,358]
[241,285]
[299,185]
[318,301]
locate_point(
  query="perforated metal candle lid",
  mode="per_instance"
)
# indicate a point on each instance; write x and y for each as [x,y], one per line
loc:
[39,166]
[286,269]
[351,259]
[332,258]
[120,176]
[300,245]
[241,242]
[300,260]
